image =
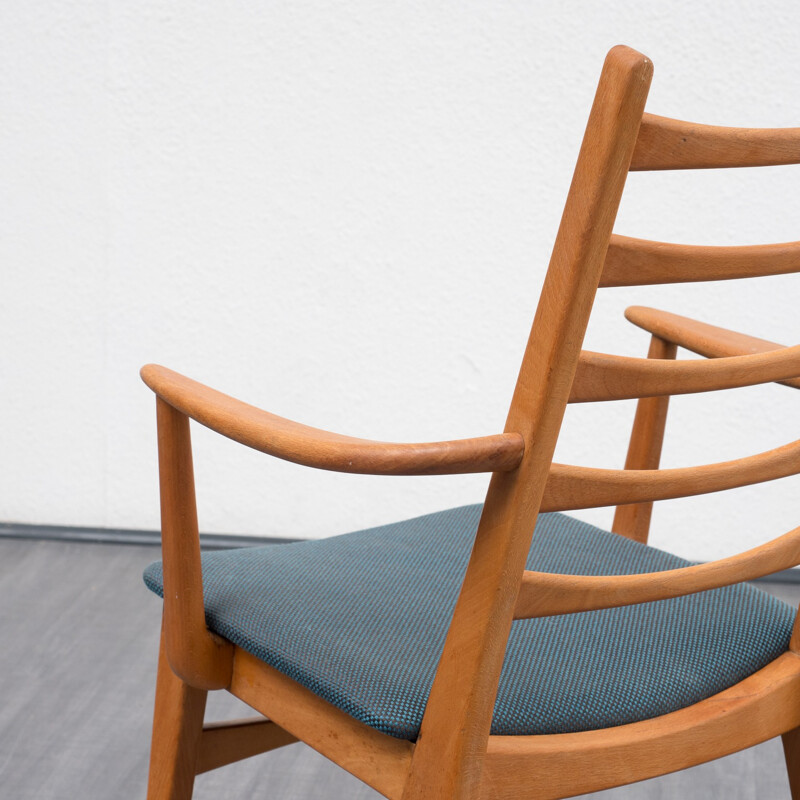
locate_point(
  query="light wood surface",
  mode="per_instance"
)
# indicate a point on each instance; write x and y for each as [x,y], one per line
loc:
[666,143]
[791,751]
[700,337]
[644,449]
[571,487]
[639,262]
[562,765]
[544,594]
[601,376]
[225,742]
[177,728]
[198,656]
[313,447]
[377,759]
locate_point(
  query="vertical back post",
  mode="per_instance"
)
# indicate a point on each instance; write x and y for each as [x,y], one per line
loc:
[447,763]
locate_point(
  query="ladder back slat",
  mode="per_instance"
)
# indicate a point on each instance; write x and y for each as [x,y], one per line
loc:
[641,262]
[601,376]
[666,143]
[571,487]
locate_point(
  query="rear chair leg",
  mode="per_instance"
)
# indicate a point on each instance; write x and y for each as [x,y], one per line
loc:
[791,750]
[177,728]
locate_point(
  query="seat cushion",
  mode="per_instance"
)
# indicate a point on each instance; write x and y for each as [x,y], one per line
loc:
[361,619]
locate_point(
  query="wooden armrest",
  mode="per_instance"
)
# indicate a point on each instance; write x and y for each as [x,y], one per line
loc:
[700,337]
[544,594]
[313,447]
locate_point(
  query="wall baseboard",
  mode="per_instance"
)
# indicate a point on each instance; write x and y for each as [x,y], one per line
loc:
[208,541]
[67,533]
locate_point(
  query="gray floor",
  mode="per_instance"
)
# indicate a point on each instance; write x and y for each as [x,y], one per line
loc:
[77,670]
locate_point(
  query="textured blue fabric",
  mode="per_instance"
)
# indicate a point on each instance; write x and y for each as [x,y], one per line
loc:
[360,620]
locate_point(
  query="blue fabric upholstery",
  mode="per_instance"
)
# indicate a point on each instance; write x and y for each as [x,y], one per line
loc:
[360,620]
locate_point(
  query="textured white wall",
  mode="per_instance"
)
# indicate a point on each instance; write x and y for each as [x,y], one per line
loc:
[342,212]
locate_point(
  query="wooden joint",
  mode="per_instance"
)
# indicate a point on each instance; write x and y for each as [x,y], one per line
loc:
[202,660]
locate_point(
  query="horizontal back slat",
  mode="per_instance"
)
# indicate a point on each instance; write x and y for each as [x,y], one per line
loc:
[666,143]
[545,594]
[570,487]
[641,262]
[601,376]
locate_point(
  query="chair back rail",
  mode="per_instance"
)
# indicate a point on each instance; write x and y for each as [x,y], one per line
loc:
[666,143]
[544,594]
[642,262]
[571,487]
[601,376]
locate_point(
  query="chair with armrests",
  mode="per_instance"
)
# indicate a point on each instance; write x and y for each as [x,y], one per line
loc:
[505,650]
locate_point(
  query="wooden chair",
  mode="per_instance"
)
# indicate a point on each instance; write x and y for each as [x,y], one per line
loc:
[509,692]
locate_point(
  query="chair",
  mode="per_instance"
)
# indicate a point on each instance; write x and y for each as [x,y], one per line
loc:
[504,650]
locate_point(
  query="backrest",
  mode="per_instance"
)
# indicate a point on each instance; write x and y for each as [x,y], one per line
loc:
[619,137]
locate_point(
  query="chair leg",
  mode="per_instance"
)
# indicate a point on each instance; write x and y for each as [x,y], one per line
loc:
[177,728]
[791,751]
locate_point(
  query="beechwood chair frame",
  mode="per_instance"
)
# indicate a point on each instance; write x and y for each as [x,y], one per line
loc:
[455,757]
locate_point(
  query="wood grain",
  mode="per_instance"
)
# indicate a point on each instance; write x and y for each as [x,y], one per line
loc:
[196,655]
[602,376]
[791,752]
[640,262]
[644,450]
[313,447]
[562,765]
[376,758]
[233,740]
[177,728]
[544,594]
[449,755]
[666,143]
[700,337]
[571,487]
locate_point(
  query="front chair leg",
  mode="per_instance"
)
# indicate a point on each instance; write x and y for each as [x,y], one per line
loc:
[177,728]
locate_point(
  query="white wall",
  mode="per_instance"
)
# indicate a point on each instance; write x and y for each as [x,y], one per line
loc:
[342,212]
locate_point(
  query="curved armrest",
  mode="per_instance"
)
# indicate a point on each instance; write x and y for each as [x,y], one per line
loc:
[313,447]
[544,594]
[700,337]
